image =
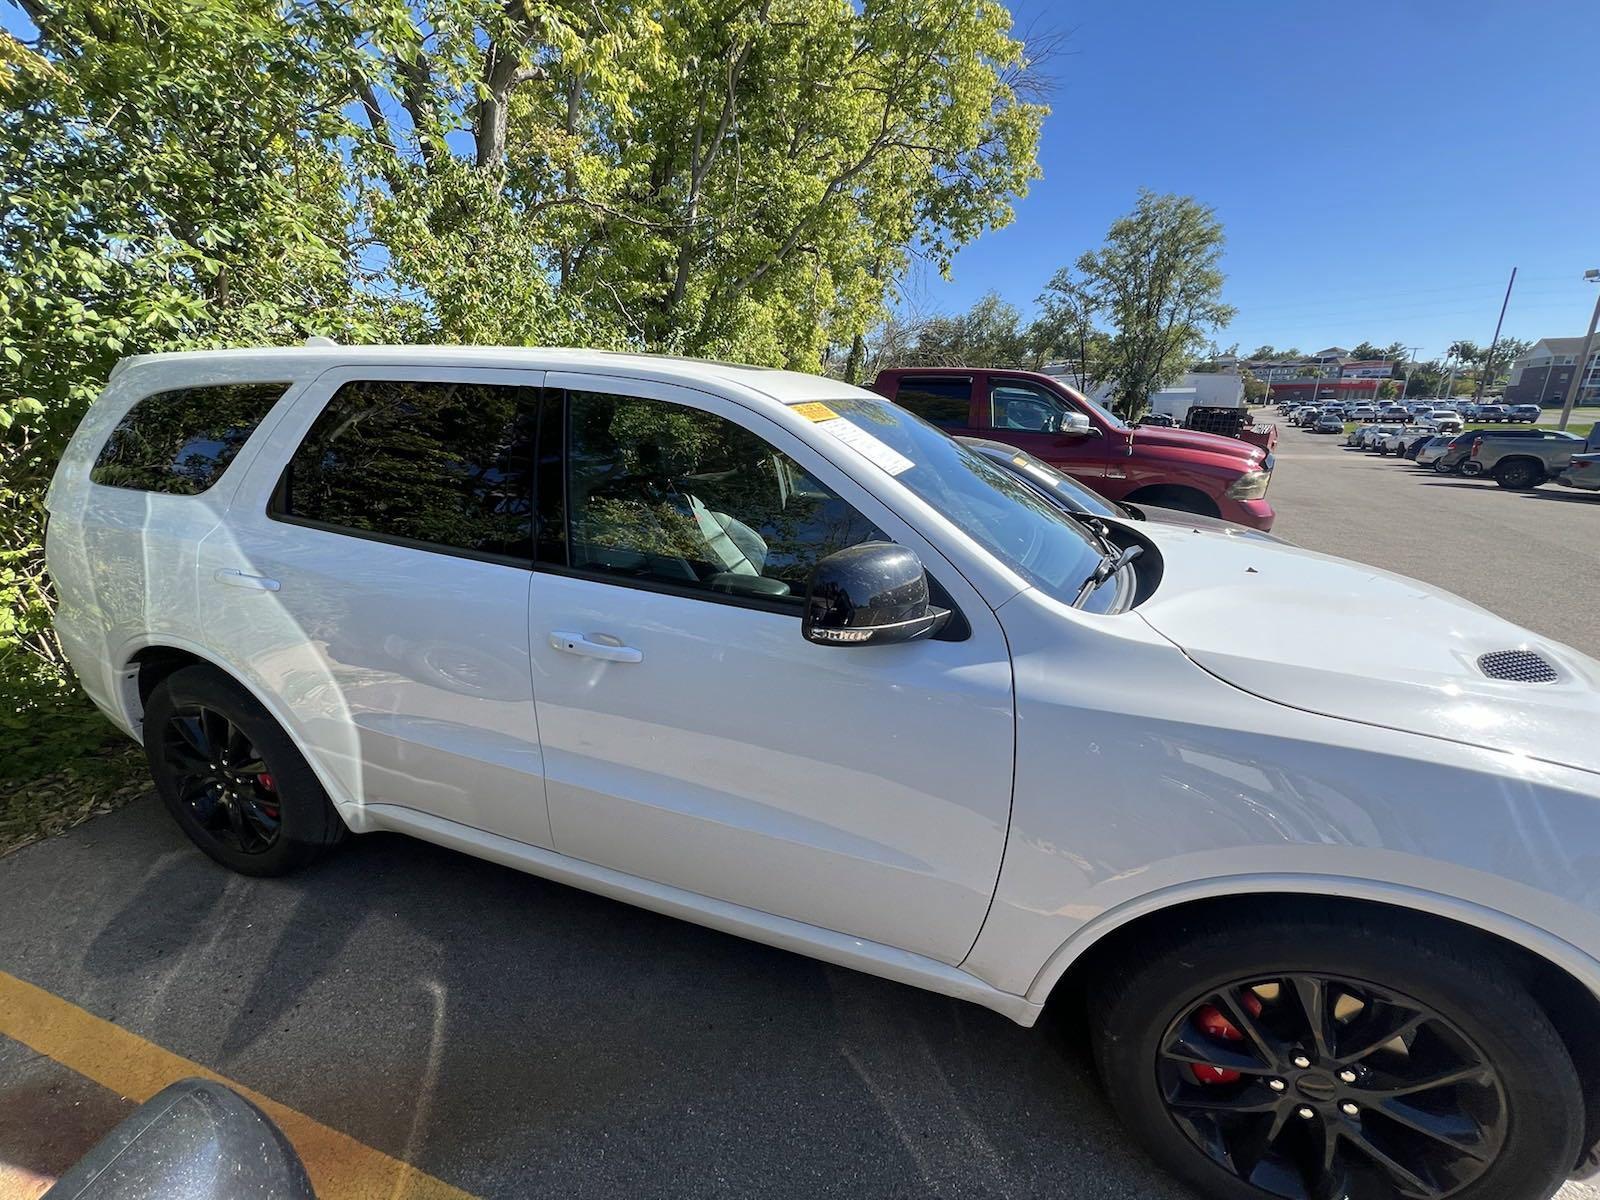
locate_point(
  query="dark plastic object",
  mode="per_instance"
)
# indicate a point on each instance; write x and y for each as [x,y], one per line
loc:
[871,594]
[194,1140]
[1229,422]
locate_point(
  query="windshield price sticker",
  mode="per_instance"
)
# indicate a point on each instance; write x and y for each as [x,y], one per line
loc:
[879,454]
[816,411]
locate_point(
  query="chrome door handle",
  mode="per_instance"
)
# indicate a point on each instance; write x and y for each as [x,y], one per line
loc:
[236,578]
[578,643]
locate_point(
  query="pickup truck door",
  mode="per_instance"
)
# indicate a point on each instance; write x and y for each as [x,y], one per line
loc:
[1025,414]
[692,737]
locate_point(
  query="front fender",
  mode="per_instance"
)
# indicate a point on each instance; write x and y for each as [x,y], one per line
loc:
[1583,967]
[1143,781]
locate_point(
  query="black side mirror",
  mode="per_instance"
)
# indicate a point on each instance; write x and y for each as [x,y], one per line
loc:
[194,1140]
[871,594]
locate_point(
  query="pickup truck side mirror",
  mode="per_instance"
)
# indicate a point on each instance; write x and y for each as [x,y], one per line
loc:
[1075,424]
[872,594]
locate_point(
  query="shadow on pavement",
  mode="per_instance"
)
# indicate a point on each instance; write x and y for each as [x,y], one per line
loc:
[518,1037]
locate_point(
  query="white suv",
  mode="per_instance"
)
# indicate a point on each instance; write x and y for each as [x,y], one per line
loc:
[764,651]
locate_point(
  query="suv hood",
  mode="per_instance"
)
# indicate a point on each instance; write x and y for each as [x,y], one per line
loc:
[1345,640]
[1189,439]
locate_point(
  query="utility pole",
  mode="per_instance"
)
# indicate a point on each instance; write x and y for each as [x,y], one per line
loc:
[1411,365]
[1488,362]
[1582,368]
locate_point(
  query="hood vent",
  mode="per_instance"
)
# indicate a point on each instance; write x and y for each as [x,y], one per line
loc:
[1517,666]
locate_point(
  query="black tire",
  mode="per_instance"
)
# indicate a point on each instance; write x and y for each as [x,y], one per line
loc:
[306,822]
[1539,1101]
[1184,499]
[1518,474]
[1442,467]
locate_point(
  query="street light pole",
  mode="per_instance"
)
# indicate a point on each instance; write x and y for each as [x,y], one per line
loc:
[1411,365]
[1488,362]
[1582,368]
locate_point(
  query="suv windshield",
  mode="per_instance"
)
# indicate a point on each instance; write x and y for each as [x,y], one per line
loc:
[1034,537]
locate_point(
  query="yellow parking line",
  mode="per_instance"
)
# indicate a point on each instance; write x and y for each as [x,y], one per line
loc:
[340,1167]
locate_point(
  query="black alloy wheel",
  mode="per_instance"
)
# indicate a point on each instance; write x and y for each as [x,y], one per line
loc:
[1311,1087]
[220,777]
[234,781]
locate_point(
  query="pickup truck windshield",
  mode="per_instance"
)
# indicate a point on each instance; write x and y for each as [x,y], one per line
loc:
[1050,549]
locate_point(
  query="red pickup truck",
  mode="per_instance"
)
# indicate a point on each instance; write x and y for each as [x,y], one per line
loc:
[1174,468]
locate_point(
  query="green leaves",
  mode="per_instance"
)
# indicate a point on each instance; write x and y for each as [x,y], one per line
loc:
[1156,284]
[731,178]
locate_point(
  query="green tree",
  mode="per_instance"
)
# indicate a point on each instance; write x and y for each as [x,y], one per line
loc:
[1506,352]
[1069,312]
[729,177]
[1157,285]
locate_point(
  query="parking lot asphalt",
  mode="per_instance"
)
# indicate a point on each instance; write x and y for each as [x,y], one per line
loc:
[512,1037]
[1532,557]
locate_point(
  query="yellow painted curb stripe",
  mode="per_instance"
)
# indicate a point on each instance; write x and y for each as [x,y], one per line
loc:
[340,1167]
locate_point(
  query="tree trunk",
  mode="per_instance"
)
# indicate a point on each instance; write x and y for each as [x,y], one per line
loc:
[857,359]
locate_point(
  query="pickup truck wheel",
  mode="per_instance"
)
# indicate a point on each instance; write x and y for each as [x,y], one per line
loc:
[1518,474]
[232,779]
[1312,1058]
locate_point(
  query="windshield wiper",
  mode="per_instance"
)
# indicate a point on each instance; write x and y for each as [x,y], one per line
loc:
[1108,567]
[1097,527]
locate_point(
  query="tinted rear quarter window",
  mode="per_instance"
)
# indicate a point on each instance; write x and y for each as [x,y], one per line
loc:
[440,464]
[181,441]
[946,402]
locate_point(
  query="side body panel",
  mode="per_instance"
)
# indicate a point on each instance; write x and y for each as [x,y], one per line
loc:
[1142,780]
[860,789]
[123,560]
[405,669]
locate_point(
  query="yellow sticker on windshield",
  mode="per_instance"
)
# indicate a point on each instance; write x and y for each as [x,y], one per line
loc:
[815,411]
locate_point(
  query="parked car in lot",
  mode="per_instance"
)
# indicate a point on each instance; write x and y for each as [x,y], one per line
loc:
[1400,440]
[1076,496]
[1445,420]
[1328,423]
[1158,420]
[1372,437]
[1174,468]
[1355,436]
[1362,412]
[1431,450]
[1582,472]
[1491,412]
[1529,413]
[1522,462]
[765,651]
[1394,412]
[1450,462]
[1305,415]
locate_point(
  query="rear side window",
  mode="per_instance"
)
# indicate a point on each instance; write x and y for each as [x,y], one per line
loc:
[182,441]
[439,464]
[946,403]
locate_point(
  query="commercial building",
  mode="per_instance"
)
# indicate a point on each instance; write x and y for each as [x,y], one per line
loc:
[1543,375]
[1207,389]
[1316,391]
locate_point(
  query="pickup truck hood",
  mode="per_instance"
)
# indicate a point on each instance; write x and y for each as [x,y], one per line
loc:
[1157,437]
[1334,637]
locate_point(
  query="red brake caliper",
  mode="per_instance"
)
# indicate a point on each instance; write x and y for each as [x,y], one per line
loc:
[1213,1024]
[268,784]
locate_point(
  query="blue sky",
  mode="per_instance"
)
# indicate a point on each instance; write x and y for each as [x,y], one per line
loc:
[1379,166]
